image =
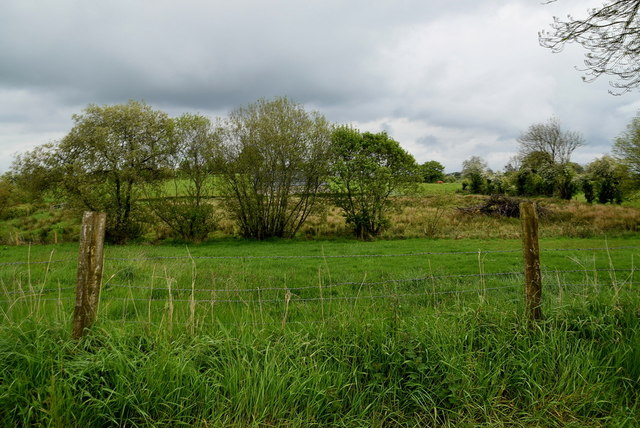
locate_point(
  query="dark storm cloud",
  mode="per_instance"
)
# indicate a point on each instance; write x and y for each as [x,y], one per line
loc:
[201,53]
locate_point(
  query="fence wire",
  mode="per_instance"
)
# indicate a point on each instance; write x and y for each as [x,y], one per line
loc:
[347,256]
[339,256]
[361,283]
[296,294]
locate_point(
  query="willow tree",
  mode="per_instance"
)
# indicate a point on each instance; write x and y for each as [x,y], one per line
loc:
[183,201]
[108,154]
[274,161]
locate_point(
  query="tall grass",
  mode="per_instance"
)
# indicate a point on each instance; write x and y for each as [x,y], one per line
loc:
[468,366]
[413,340]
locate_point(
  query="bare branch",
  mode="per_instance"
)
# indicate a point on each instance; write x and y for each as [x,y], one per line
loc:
[611,36]
[549,138]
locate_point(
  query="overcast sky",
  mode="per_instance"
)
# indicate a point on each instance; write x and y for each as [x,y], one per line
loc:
[447,79]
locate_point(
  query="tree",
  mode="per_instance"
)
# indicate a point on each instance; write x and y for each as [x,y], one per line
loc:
[108,154]
[367,169]
[535,160]
[610,34]
[627,147]
[609,179]
[432,171]
[274,160]
[588,190]
[558,180]
[473,171]
[181,202]
[34,172]
[545,153]
[550,139]
[7,194]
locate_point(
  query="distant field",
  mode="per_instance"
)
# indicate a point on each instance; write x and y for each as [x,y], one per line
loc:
[439,189]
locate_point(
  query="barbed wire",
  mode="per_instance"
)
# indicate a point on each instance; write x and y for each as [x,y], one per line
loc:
[359,283]
[40,298]
[345,256]
[293,297]
[310,287]
[323,286]
[41,292]
[331,319]
[589,284]
[339,256]
[37,262]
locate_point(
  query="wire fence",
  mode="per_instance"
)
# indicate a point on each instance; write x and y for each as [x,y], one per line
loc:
[304,289]
[332,256]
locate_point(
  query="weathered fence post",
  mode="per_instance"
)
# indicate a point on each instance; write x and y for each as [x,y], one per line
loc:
[531,250]
[89,271]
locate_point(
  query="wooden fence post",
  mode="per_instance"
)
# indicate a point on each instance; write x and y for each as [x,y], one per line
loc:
[89,272]
[531,250]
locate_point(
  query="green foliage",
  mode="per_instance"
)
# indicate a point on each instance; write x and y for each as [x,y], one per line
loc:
[536,160]
[7,194]
[189,218]
[432,171]
[562,177]
[627,148]
[36,173]
[545,161]
[474,172]
[108,154]
[102,162]
[588,190]
[275,159]
[367,169]
[609,179]
[181,201]
[539,175]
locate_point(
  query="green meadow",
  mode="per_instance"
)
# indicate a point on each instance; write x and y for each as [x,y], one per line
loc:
[414,332]
[425,327]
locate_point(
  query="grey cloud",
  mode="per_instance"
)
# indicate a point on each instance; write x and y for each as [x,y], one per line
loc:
[447,79]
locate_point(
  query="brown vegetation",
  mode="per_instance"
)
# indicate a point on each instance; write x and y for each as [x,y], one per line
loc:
[470,216]
[444,216]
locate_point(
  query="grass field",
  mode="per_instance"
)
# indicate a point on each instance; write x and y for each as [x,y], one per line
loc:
[414,332]
[423,327]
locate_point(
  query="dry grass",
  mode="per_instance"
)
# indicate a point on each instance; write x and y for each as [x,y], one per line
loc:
[437,216]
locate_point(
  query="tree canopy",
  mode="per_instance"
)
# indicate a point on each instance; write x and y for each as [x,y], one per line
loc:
[473,171]
[611,36]
[627,147]
[275,158]
[181,201]
[101,163]
[609,179]
[432,171]
[549,138]
[367,169]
